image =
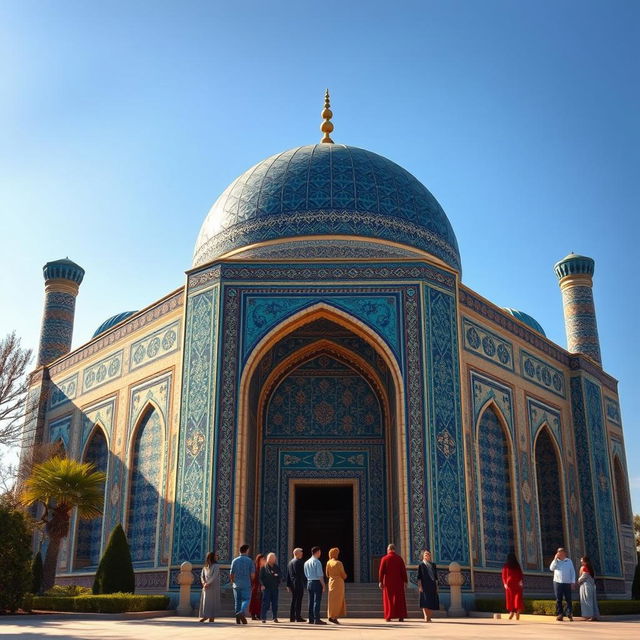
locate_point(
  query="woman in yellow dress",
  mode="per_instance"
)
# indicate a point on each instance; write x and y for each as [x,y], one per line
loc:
[337,607]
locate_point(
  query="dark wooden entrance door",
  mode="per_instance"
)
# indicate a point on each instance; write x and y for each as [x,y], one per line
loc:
[324,518]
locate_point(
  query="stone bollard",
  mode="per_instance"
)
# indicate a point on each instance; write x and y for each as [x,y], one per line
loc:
[455,580]
[185,580]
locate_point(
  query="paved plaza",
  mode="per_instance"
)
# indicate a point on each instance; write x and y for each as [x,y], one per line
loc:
[99,628]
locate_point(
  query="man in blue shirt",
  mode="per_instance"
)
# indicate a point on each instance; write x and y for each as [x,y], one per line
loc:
[241,572]
[315,584]
[564,577]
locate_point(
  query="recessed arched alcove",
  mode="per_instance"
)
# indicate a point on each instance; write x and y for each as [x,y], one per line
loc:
[321,425]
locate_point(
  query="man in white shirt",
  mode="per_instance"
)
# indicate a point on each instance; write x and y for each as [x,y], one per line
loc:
[564,577]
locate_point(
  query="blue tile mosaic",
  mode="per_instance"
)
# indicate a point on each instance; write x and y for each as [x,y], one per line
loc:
[332,189]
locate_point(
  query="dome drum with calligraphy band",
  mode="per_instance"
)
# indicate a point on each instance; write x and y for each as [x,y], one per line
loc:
[326,189]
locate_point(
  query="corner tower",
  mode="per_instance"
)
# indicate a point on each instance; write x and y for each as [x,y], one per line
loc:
[62,280]
[575,276]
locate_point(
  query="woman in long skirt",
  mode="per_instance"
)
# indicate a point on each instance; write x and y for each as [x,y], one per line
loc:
[588,596]
[513,582]
[337,607]
[428,586]
[255,605]
[210,596]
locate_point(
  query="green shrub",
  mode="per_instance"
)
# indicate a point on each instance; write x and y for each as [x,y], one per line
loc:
[108,603]
[115,571]
[548,607]
[635,586]
[36,573]
[27,602]
[67,591]
[618,607]
[15,557]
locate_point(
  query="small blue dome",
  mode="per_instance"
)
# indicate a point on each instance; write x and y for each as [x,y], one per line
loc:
[63,269]
[527,319]
[112,322]
[326,189]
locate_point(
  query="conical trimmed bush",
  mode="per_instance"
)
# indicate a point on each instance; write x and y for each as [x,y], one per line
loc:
[36,574]
[115,571]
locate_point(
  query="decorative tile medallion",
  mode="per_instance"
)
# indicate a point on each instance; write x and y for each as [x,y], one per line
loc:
[63,391]
[156,345]
[487,344]
[541,373]
[104,371]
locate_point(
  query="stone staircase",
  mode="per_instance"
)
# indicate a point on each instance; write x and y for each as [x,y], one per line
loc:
[364,600]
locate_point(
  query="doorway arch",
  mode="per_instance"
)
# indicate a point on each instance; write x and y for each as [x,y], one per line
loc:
[357,356]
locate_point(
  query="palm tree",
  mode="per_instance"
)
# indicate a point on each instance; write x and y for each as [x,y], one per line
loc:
[60,485]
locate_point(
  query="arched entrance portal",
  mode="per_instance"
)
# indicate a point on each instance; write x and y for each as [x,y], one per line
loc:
[320,441]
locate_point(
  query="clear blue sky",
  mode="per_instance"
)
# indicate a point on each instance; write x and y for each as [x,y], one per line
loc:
[121,122]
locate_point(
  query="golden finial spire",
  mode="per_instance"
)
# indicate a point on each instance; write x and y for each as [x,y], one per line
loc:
[327,126]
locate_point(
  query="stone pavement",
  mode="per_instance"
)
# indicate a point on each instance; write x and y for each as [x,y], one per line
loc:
[80,627]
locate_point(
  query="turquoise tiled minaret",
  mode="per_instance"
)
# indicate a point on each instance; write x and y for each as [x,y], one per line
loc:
[575,275]
[62,280]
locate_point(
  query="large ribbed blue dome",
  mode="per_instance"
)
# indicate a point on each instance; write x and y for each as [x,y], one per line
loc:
[326,189]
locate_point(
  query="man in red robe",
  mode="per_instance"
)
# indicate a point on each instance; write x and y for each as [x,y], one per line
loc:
[392,579]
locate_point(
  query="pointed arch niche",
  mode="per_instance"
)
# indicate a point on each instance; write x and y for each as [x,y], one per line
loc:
[89,532]
[320,407]
[550,495]
[622,495]
[496,487]
[145,480]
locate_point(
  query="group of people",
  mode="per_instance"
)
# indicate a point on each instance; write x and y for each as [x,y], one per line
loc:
[256,586]
[564,579]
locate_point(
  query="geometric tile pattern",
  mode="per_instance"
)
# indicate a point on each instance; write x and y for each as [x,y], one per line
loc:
[145,489]
[580,321]
[334,249]
[487,344]
[101,414]
[485,390]
[323,398]
[450,538]
[60,431]
[595,477]
[497,498]
[550,496]
[602,474]
[332,189]
[89,536]
[57,326]
[613,410]
[540,414]
[155,345]
[197,424]
[264,312]
[541,373]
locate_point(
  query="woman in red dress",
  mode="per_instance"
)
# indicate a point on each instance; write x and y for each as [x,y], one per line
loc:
[255,605]
[512,580]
